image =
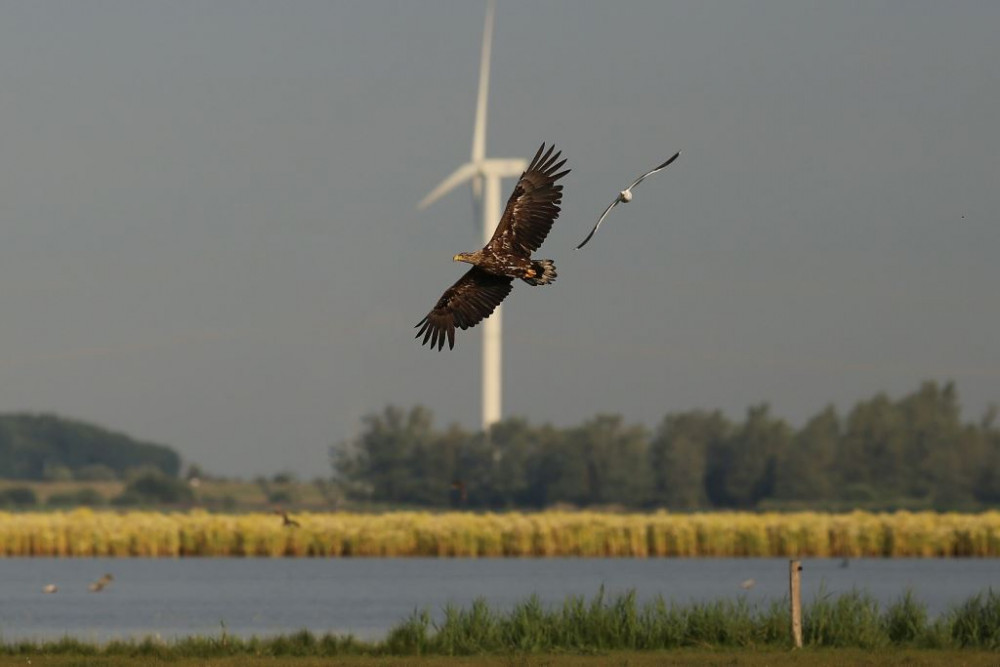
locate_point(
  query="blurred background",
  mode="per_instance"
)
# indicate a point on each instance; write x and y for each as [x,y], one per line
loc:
[209,236]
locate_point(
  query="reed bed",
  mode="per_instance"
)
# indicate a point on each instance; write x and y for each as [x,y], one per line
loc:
[85,532]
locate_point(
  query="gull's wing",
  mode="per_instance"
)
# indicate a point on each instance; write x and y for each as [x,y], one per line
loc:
[654,170]
[603,215]
[475,296]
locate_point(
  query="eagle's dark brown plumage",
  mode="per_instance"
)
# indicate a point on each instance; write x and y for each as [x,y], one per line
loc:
[526,221]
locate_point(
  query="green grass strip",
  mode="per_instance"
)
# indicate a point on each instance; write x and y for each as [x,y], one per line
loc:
[601,624]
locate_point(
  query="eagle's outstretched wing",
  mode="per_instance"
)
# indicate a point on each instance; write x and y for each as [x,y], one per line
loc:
[532,208]
[474,297]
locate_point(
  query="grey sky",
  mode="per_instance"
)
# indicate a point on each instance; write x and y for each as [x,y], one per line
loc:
[208,233]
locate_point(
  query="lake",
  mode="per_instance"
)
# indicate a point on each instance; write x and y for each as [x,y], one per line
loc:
[366,596]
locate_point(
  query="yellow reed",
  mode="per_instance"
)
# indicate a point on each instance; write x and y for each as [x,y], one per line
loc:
[84,532]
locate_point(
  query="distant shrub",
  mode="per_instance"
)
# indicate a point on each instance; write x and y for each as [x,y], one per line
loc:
[128,499]
[81,497]
[154,488]
[281,496]
[145,470]
[57,473]
[18,496]
[96,472]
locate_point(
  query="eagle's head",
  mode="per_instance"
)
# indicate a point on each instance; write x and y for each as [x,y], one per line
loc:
[467,257]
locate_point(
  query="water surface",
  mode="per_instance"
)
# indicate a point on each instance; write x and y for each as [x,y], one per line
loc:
[366,597]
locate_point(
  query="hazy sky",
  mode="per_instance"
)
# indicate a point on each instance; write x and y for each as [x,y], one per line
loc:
[209,239]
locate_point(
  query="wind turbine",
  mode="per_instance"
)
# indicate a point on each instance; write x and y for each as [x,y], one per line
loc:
[486,176]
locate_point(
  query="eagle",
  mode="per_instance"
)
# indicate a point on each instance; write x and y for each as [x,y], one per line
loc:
[526,221]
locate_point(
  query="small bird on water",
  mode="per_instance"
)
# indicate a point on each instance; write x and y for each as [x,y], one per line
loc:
[101,584]
[50,588]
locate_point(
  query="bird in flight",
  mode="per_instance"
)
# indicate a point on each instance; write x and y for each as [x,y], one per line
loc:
[526,221]
[287,520]
[625,196]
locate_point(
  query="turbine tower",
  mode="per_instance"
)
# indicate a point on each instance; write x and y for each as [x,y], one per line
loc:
[485,176]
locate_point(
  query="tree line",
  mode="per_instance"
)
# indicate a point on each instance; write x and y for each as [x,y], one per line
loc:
[914,452]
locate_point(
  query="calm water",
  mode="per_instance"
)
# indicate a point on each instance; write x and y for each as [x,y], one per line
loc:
[366,597]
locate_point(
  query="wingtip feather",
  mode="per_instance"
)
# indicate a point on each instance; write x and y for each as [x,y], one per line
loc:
[672,158]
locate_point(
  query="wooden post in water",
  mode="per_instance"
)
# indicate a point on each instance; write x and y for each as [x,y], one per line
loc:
[795,596]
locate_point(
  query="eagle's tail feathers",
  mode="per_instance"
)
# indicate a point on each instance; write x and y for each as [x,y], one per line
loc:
[545,272]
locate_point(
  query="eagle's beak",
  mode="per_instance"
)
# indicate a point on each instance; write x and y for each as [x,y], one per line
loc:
[456,258]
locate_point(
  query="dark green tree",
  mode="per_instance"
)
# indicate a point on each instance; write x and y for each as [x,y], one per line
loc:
[987,481]
[911,452]
[559,473]
[615,456]
[554,471]
[742,469]
[808,470]
[940,448]
[379,460]
[872,454]
[437,462]
[513,443]
[679,457]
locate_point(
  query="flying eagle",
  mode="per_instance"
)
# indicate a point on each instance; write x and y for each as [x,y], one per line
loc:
[625,196]
[525,223]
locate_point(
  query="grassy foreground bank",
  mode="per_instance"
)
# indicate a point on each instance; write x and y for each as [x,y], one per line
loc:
[86,532]
[696,657]
[599,625]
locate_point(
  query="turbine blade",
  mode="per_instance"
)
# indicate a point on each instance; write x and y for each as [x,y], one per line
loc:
[479,131]
[461,174]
